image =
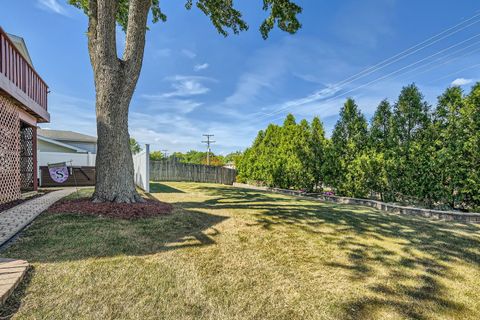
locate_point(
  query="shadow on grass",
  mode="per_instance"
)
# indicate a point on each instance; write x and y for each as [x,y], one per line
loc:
[73,237]
[428,248]
[157,187]
[425,249]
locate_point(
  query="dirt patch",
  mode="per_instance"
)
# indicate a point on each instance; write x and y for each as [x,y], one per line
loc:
[150,208]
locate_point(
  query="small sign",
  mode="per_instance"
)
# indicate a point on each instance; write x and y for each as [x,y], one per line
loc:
[58,172]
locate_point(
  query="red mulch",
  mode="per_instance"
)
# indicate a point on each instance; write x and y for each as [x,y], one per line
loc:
[147,209]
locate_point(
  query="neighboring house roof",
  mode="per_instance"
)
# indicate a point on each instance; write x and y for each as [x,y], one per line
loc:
[21,46]
[65,145]
[61,135]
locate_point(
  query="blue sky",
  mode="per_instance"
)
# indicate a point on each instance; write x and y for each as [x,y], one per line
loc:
[195,81]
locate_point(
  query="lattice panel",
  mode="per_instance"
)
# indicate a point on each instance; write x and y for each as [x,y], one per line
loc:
[26,158]
[9,151]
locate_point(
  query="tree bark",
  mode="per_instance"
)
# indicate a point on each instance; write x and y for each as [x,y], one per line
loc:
[115,81]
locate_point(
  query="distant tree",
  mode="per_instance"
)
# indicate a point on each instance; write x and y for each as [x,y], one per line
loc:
[134,146]
[198,157]
[156,155]
[116,78]
[233,157]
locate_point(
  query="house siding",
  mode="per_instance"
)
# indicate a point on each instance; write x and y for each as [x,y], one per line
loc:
[44,146]
[88,146]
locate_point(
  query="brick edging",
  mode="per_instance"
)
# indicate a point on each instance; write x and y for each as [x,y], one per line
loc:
[469,217]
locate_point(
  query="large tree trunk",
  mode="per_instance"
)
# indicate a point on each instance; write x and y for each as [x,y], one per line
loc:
[114,166]
[115,81]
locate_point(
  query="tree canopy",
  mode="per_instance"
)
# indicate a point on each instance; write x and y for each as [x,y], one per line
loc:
[222,13]
[135,146]
[198,157]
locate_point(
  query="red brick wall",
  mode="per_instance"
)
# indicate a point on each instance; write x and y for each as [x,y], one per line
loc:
[9,151]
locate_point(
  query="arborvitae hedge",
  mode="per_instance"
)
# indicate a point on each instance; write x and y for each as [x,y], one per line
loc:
[410,152]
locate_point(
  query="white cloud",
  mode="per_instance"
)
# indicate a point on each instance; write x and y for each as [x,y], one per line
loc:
[52,5]
[319,95]
[189,54]
[200,67]
[80,116]
[185,86]
[461,82]
[188,77]
[179,132]
[157,103]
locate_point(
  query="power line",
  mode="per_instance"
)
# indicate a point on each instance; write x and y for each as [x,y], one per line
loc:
[456,72]
[381,65]
[208,142]
[336,96]
[454,53]
[403,68]
[446,62]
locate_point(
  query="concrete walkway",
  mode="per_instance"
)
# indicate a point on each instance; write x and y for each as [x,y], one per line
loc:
[15,219]
[11,222]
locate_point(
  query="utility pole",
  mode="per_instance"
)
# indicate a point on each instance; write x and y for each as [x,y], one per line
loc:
[208,142]
[164,152]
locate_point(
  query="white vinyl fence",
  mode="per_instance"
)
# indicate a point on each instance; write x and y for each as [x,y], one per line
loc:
[141,165]
[78,159]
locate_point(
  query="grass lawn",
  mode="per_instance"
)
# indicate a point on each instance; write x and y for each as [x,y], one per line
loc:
[228,253]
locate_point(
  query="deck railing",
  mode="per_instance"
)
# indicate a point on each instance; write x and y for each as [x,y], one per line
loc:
[19,71]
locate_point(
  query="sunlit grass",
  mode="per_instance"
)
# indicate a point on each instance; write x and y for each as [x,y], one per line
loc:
[228,253]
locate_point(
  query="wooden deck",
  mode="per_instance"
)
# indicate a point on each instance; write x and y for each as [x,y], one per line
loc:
[11,274]
[19,80]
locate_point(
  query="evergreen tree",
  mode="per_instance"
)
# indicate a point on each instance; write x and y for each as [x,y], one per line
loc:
[471,148]
[407,152]
[271,159]
[305,173]
[381,127]
[449,142]
[381,153]
[410,116]
[349,139]
[288,153]
[410,121]
[318,144]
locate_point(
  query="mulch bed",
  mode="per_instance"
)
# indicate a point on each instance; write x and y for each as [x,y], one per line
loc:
[150,208]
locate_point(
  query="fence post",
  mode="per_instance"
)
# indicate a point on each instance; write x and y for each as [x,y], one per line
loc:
[147,168]
[88,159]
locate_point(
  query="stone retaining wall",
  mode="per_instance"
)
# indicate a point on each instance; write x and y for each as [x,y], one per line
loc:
[469,217]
